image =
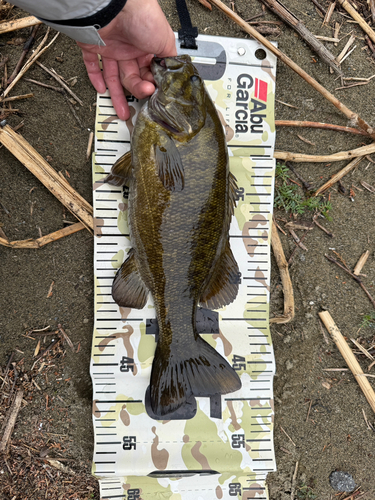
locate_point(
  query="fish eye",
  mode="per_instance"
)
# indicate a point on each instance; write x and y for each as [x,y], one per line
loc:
[194,78]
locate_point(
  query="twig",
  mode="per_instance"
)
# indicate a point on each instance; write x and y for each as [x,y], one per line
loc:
[58,79]
[330,97]
[65,336]
[343,155]
[58,186]
[278,9]
[306,185]
[305,226]
[297,240]
[44,240]
[287,435]
[38,52]
[362,349]
[58,89]
[17,24]
[317,4]
[322,227]
[15,408]
[327,38]
[294,480]
[282,264]
[356,278]
[361,263]
[73,111]
[349,357]
[295,250]
[329,13]
[369,426]
[369,43]
[350,10]
[339,175]
[368,187]
[308,413]
[372,8]
[25,50]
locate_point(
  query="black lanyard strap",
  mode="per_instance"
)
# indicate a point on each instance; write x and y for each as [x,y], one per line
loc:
[187,34]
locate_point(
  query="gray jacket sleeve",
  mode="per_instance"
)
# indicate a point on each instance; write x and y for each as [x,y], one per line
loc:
[79,19]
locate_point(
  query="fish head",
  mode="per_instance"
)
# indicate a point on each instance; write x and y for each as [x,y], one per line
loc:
[179,101]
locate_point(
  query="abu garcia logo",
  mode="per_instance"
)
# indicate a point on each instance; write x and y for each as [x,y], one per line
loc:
[249,114]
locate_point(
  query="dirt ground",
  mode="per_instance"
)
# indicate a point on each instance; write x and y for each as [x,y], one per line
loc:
[321,411]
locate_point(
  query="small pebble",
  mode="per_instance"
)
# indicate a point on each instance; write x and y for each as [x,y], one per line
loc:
[342,481]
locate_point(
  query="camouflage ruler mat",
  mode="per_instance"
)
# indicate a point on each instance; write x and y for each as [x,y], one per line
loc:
[226,449]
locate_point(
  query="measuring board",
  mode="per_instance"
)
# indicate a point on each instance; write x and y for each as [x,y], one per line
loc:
[226,449]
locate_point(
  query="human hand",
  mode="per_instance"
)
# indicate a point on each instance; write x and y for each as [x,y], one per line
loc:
[132,38]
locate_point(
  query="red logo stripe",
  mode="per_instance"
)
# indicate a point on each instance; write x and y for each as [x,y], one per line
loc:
[261,90]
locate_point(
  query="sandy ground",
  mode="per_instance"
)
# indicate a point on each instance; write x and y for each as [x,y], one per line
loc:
[335,435]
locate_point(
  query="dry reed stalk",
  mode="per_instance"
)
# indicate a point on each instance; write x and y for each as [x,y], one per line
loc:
[361,263]
[342,155]
[350,10]
[89,145]
[329,13]
[339,175]
[38,166]
[349,357]
[282,264]
[17,24]
[17,97]
[330,97]
[44,240]
[325,126]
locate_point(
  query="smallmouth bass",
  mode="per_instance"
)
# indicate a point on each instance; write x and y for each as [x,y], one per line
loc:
[181,200]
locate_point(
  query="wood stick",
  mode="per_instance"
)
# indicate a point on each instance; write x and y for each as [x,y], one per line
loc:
[349,357]
[361,263]
[325,126]
[277,8]
[44,240]
[343,155]
[25,50]
[58,79]
[330,97]
[282,264]
[38,52]
[350,10]
[339,175]
[294,479]
[17,24]
[297,240]
[15,408]
[4,61]
[38,166]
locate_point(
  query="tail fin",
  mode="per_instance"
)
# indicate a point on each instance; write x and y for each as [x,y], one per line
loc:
[176,376]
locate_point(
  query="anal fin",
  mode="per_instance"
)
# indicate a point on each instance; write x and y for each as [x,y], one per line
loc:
[128,289]
[222,288]
[121,171]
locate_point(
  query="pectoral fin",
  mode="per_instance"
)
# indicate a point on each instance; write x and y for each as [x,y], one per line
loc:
[121,171]
[222,288]
[169,165]
[128,289]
